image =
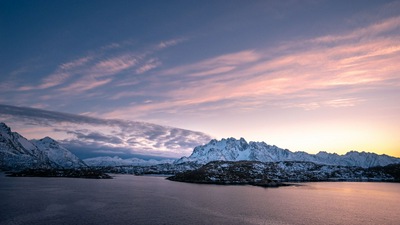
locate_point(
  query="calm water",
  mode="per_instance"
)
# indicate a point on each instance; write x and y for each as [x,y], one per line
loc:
[130,199]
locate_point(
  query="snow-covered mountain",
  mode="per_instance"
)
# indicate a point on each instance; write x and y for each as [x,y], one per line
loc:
[16,153]
[59,156]
[117,161]
[232,149]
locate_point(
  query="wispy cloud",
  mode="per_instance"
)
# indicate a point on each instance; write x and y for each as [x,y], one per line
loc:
[75,63]
[149,65]
[373,30]
[333,103]
[111,46]
[169,43]
[221,63]
[99,68]
[60,75]
[85,84]
[112,66]
[333,71]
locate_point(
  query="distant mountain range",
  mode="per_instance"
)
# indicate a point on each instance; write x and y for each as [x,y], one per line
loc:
[232,149]
[107,161]
[18,153]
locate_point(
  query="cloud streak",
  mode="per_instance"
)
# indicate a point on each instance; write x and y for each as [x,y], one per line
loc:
[149,65]
[112,66]
[169,43]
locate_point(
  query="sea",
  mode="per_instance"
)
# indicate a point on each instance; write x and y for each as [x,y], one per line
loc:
[129,199]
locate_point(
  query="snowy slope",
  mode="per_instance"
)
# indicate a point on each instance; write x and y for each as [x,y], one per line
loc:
[232,149]
[16,152]
[117,161]
[59,156]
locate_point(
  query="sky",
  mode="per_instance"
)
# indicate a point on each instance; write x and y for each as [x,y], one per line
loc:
[160,77]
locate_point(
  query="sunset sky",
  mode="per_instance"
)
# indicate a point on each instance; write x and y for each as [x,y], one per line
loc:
[122,76]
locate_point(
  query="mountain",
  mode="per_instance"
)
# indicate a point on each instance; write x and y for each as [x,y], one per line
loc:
[117,161]
[232,149]
[18,153]
[59,156]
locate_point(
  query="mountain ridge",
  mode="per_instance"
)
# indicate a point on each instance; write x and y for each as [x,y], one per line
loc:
[108,161]
[231,149]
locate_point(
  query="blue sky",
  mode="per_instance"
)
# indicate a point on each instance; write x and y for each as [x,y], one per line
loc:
[304,75]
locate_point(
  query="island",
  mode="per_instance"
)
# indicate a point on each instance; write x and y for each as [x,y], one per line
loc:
[276,174]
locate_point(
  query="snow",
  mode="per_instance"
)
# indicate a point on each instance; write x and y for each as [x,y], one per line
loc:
[57,154]
[26,144]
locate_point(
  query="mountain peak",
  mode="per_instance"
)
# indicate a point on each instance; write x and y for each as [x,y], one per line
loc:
[4,127]
[48,140]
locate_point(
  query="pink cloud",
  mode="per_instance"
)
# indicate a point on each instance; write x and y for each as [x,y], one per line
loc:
[75,63]
[302,76]
[52,80]
[344,102]
[84,85]
[89,71]
[149,65]
[61,74]
[227,61]
[113,66]
[372,30]
[218,70]
[93,77]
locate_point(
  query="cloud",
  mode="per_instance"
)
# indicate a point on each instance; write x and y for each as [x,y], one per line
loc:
[111,46]
[371,31]
[149,65]
[112,66]
[46,116]
[102,72]
[95,137]
[85,84]
[350,63]
[77,130]
[75,63]
[344,102]
[169,43]
[97,68]
[60,75]
[226,62]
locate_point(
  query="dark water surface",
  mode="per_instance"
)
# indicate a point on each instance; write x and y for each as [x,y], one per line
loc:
[131,199]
